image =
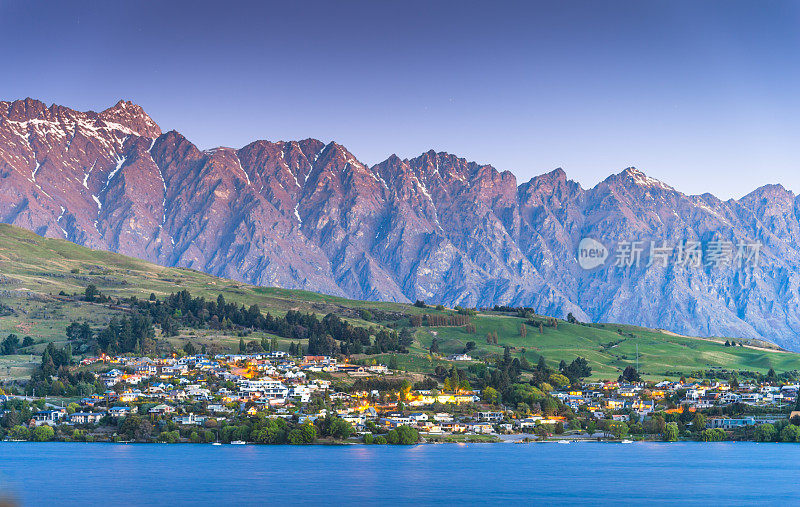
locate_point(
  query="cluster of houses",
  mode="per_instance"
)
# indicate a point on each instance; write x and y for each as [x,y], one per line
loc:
[192,389]
[622,402]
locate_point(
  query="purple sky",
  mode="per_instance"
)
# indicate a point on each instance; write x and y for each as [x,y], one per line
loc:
[703,95]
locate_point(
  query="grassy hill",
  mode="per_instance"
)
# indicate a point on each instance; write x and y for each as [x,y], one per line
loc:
[34,270]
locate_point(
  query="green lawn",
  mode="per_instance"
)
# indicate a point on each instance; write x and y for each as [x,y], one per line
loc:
[659,352]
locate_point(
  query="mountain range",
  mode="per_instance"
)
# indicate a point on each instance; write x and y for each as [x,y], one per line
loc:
[309,215]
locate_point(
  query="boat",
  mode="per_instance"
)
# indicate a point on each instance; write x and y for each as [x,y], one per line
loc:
[216,443]
[563,441]
[238,442]
[626,441]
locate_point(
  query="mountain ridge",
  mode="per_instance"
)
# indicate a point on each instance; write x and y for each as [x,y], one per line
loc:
[309,215]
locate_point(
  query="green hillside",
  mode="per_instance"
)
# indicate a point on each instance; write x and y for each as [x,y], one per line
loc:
[34,271]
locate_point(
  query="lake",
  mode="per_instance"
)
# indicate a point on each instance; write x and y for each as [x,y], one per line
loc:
[579,473]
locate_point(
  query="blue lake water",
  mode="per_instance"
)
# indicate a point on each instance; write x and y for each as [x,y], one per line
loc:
[579,473]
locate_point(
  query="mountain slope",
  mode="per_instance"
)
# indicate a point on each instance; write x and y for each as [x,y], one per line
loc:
[309,215]
[36,269]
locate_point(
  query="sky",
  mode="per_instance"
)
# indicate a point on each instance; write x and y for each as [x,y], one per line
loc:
[700,94]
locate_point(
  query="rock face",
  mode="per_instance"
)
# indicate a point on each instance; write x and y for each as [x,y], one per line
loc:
[309,215]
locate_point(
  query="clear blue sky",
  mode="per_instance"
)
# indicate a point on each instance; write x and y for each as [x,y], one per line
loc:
[703,95]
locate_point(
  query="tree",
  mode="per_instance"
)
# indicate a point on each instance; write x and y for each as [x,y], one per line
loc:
[558,380]
[393,362]
[790,433]
[19,432]
[699,422]
[43,433]
[136,428]
[491,395]
[630,375]
[9,345]
[274,431]
[27,341]
[671,432]
[190,349]
[578,369]
[765,433]
[75,331]
[403,435]
[170,437]
[273,344]
[523,331]
[619,429]
[434,346]
[91,292]
[242,346]
[713,435]
[541,366]
[771,376]
[303,434]
[336,427]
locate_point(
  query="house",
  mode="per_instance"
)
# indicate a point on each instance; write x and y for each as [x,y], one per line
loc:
[122,411]
[49,417]
[490,416]
[128,396]
[394,422]
[480,427]
[453,427]
[442,417]
[300,394]
[354,419]
[418,417]
[460,357]
[85,417]
[528,422]
[381,369]
[190,419]
[263,388]
[727,423]
[162,409]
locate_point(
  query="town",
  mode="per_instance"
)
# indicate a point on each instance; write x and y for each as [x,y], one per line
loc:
[272,397]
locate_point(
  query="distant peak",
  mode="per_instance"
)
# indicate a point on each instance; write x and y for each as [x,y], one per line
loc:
[634,176]
[132,116]
[771,190]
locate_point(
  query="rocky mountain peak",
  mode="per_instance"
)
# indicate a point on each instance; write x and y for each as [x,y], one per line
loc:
[132,116]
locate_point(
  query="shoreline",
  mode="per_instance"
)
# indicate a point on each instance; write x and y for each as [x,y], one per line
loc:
[344,443]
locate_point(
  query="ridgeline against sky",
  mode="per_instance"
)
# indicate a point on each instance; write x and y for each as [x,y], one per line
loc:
[700,94]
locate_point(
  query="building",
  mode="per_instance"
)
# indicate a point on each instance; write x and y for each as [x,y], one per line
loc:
[85,417]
